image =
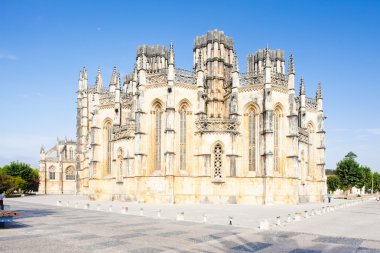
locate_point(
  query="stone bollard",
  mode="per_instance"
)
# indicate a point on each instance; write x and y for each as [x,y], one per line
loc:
[204,218]
[289,219]
[110,208]
[159,213]
[76,204]
[98,207]
[141,211]
[264,225]
[312,212]
[124,210]
[318,212]
[87,206]
[67,203]
[181,216]
[306,214]
[59,203]
[278,221]
[230,220]
[297,216]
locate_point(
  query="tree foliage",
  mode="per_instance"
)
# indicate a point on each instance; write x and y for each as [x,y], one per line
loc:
[333,183]
[19,176]
[349,173]
[330,172]
[376,182]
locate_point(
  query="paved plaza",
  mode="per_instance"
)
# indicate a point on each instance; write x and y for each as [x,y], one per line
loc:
[76,225]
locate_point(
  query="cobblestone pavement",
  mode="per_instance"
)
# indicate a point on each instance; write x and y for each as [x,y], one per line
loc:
[44,228]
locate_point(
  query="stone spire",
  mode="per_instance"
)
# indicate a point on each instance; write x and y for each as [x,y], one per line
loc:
[291,69]
[84,73]
[113,79]
[319,91]
[267,60]
[171,54]
[118,81]
[42,150]
[80,80]
[99,81]
[302,87]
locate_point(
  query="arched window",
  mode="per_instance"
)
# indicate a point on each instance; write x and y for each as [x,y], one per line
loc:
[252,140]
[52,173]
[107,140]
[182,139]
[157,136]
[70,173]
[218,151]
[276,135]
[310,150]
[120,164]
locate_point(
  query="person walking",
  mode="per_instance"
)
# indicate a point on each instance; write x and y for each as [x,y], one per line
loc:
[329,197]
[1,201]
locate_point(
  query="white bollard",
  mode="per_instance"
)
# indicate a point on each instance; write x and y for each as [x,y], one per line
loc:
[110,208]
[318,212]
[59,203]
[297,216]
[306,214]
[124,210]
[289,219]
[67,203]
[87,206]
[278,221]
[230,220]
[180,216]
[264,225]
[141,211]
[98,207]
[76,204]
[204,218]
[159,213]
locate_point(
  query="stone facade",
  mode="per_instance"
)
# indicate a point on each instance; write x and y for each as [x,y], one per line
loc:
[210,135]
[58,168]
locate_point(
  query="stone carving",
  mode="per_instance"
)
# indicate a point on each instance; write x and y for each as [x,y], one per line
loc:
[184,77]
[124,132]
[209,125]
[107,98]
[156,78]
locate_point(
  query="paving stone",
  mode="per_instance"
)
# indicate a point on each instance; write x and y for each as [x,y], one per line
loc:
[339,240]
[103,245]
[127,236]
[367,250]
[251,246]
[85,237]
[145,250]
[304,251]
[172,233]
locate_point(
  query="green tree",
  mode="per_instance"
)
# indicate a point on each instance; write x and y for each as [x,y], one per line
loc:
[349,173]
[333,183]
[367,177]
[26,173]
[330,172]
[376,182]
[351,155]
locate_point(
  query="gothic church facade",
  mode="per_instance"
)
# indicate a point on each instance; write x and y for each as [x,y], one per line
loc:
[211,135]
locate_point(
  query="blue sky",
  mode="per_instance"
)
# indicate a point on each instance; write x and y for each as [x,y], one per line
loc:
[44,44]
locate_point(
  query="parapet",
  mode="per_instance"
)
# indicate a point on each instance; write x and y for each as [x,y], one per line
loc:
[152,51]
[211,37]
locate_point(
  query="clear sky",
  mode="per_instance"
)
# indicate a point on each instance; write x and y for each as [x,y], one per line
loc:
[44,44]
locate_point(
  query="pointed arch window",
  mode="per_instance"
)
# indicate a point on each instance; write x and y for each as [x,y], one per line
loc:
[218,151]
[52,173]
[70,173]
[252,140]
[276,135]
[182,141]
[157,136]
[107,135]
